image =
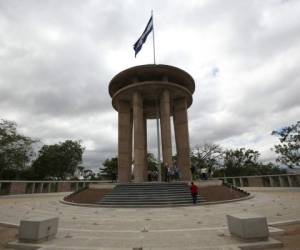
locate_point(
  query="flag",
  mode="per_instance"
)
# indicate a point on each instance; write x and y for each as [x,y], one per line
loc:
[139,43]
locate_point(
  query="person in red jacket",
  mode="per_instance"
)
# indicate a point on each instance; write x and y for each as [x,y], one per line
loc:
[194,192]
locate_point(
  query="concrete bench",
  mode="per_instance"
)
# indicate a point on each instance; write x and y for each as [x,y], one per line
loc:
[248,226]
[37,229]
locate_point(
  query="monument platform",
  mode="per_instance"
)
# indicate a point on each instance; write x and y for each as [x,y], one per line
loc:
[197,227]
[154,194]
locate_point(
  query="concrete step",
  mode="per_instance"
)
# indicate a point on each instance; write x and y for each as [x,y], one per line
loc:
[152,190]
[149,195]
[148,199]
[149,204]
[148,189]
[128,193]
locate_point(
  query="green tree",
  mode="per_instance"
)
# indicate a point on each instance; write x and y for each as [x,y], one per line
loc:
[237,160]
[289,148]
[58,160]
[207,156]
[243,162]
[259,169]
[16,150]
[269,168]
[80,170]
[89,174]
[152,162]
[110,169]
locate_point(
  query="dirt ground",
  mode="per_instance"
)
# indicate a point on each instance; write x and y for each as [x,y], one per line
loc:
[87,196]
[291,237]
[220,193]
[7,234]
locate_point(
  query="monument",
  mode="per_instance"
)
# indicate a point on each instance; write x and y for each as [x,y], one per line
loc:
[149,92]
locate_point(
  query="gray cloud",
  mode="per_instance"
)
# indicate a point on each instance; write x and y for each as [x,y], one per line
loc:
[57,58]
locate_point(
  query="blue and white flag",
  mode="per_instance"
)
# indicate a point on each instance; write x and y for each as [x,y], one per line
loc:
[139,43]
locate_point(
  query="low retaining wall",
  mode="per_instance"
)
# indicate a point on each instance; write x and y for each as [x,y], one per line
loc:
[284,180]
[32,187]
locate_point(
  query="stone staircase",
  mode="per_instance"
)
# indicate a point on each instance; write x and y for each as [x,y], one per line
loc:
[154,194]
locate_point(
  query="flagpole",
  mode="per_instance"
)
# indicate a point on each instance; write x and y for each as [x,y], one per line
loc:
[158,141]
[153,37]
[157,111]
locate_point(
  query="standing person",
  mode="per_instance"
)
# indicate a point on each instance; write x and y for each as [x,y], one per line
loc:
[193,169]
[172,176]
[194,192]
[204,173]
[168,172]
[176,173]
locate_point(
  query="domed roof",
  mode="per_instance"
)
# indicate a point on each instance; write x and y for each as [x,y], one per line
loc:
[151,72]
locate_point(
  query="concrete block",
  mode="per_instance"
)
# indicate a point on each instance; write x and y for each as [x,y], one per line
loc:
[248,226]
[206,183]
[38,229]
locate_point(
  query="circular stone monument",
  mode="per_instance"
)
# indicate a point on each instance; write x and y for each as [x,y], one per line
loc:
[148,92]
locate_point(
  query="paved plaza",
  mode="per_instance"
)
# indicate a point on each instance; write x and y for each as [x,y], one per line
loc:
[198,227]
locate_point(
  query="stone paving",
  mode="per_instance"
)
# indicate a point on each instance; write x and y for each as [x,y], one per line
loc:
[198,227]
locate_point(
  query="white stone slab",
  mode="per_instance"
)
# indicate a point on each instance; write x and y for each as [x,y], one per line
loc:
[248,226]
[37,229]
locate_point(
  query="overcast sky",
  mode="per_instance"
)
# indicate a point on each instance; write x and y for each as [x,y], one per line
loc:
[58,56]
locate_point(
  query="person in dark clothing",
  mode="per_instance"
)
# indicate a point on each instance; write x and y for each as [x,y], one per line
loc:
[193,169]
[167,172]
[176,173]
[194,192]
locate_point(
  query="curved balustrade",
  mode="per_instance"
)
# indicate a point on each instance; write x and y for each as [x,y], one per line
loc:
[31,187]
[284,180]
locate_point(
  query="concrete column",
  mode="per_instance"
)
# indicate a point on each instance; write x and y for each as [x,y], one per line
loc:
[41,187]
[290,181]
[76,186]
[281,181]
[130,144]
[297,180]
[49,187]
[0,186]
[182,139]
[145,145]
[165,127]
[33,187]
[241,182]
[139,137]
[272,184]
[234,182]
[124,142]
